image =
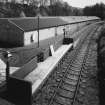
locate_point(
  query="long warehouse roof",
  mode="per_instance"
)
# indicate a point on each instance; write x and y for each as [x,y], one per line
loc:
[31,23]
[28,24]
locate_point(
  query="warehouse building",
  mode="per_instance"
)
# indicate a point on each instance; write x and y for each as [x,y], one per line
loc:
[18,32]
[24,31]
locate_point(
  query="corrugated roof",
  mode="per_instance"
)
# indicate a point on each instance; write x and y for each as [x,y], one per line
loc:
[28,24]
[31,23]
[73,19]
[4,21]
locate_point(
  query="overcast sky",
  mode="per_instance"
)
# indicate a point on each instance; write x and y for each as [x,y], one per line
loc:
[83,3]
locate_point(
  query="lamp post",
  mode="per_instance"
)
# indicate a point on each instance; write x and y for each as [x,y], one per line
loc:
[7,54]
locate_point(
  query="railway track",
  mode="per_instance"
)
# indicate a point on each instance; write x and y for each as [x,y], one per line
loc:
[65,95]
[62,87]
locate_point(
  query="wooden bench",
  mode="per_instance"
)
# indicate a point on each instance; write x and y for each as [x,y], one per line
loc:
[67,40]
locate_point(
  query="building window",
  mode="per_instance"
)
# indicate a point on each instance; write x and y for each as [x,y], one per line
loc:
[31,39]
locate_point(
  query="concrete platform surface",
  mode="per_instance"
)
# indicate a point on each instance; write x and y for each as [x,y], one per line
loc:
[38,75]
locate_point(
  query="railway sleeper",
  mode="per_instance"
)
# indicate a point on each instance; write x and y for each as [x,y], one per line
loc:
[73,72]
[70,90]
[65,93]
[71,82]
[55,103]
[84,75]
[75,68]
[62,101]
[68,87]
[72,77]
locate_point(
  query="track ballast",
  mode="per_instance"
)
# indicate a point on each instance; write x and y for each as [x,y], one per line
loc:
[63,85]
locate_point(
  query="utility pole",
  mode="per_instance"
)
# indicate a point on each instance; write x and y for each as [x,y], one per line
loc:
[38,22]
[38,31]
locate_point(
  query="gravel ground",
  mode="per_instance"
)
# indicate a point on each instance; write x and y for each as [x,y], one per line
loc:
[101,65]
[89,87]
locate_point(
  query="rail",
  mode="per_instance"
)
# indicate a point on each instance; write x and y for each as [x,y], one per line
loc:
[66,72]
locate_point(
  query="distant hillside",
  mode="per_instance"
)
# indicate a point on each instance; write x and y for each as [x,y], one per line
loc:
[12,9]
[95,10]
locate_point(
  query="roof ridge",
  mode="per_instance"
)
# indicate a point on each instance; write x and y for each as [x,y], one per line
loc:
[15,24]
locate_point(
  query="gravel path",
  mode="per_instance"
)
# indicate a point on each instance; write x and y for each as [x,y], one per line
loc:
[89,87]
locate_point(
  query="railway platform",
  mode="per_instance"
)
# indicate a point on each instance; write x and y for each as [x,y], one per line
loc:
[26,86]
[38,75]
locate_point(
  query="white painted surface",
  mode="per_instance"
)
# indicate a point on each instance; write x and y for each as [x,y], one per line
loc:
[72,28]
[46,33]
[52,50]
[43,34]
[27,37]
[76,43]
[2,66]
[50,32]
[60,30]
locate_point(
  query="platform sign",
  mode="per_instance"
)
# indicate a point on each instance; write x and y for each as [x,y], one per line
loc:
[52,50]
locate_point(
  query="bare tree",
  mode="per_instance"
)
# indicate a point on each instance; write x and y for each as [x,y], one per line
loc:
[13,1]
[53,1]
[46,2]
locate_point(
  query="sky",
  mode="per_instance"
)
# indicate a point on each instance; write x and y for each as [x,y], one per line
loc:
[83,3]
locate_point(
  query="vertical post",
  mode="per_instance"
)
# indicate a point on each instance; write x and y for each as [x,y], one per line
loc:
[64,32]
[7,67]
[7,70]
[6,56]
[38,31]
